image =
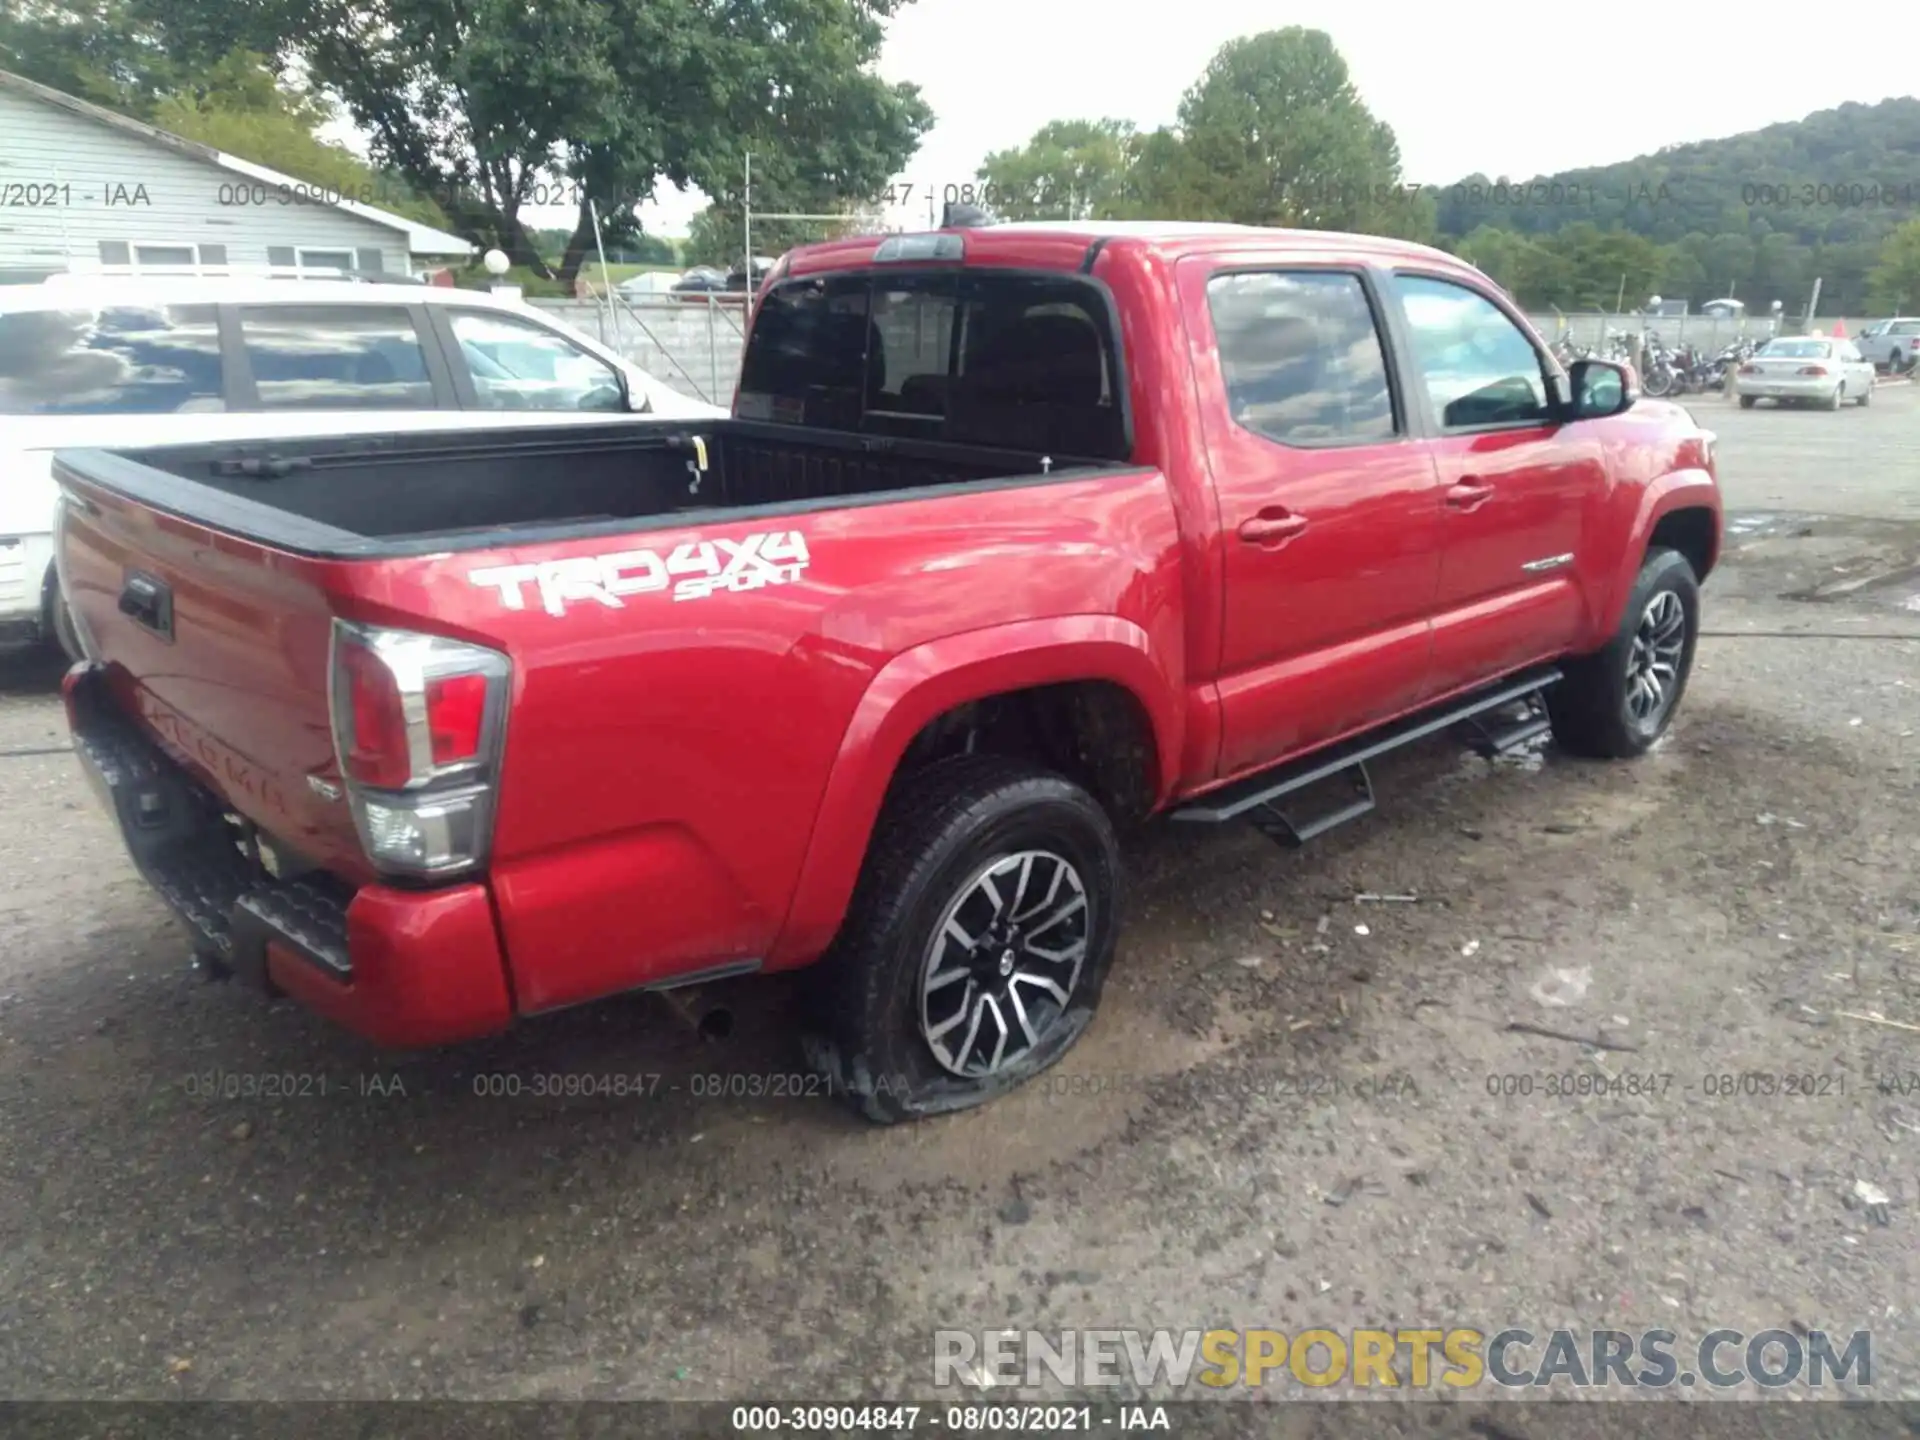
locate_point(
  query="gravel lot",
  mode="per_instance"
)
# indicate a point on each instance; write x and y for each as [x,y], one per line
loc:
[1282,1118]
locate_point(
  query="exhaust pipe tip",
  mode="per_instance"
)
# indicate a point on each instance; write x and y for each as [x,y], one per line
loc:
[690,1007]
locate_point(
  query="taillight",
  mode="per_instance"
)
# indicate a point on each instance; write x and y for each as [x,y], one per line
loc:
[417,726]
[1914,344]
[1813,370]
[1749,369]
[456,717]
[376,751]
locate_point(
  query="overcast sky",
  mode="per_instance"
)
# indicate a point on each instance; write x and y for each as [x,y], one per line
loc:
[1503,86]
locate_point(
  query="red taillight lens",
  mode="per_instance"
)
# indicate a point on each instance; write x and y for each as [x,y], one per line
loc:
[1749,369]
[377,753]
[1914,344]
[1813,369]
[456,714]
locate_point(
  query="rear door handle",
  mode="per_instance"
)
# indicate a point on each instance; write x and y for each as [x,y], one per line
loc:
[1469,494]
[1272,527]
[148,601]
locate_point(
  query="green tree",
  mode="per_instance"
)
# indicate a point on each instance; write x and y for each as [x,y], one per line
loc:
[481,104]
[1277,135]
[1604,268]
[1069,170]
[1895,281]
[1163,181]
[485,106]
[240,106]
[98,50]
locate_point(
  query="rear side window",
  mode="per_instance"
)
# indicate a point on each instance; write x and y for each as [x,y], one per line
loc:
[1301,356]
[121,361]
[335,357]
[997,360]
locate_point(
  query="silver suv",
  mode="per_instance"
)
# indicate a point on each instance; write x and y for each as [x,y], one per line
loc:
[1891,344]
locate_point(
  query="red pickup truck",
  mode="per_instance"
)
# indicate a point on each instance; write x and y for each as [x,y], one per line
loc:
[1016,536]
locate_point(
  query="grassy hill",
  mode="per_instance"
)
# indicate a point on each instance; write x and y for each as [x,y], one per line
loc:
[1759,214]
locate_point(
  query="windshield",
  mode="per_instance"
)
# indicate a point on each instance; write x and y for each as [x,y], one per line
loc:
[1008,361]
[1797,349]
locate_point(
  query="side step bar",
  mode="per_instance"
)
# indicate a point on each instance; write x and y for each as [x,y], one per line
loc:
[1477,713]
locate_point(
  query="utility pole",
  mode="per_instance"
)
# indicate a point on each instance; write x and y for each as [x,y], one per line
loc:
[746,227]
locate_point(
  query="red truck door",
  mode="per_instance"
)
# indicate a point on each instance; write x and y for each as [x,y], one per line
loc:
[1329,514]
[1516,483]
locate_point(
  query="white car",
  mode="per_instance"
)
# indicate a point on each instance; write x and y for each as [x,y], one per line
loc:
[113,361]
[1805,370]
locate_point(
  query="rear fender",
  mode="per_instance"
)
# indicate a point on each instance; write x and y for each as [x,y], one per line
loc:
[920,684]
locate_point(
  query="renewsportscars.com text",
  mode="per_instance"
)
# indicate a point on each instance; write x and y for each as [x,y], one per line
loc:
[1456,1358]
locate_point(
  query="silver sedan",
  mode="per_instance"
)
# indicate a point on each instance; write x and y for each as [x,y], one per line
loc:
[1805,370]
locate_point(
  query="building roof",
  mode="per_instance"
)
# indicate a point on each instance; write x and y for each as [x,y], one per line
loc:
[421,239]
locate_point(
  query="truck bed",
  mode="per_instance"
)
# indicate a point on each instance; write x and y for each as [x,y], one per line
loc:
[414,493]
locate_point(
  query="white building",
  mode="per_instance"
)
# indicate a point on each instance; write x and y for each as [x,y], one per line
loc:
[82,187]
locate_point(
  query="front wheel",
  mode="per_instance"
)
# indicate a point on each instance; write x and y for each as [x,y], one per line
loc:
[1615,703]
[977,942]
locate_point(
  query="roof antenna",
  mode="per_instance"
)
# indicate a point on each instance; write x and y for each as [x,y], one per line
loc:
[959,216]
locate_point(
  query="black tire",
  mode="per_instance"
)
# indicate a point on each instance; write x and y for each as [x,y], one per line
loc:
[57,620]
[1593,708]
[1747,402]
[939,832]
[1866,397]
[1833,401]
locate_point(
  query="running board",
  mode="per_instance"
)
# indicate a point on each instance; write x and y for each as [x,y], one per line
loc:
[1253,798]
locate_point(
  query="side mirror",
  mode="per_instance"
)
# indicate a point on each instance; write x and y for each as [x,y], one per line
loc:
[1600,388]
[632,396]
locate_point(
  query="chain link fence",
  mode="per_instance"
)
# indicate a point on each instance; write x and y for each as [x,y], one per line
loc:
[1707,332]
[691,343]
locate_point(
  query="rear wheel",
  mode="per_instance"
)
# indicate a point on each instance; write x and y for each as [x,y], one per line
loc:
[1615,703]
[1747,402]
[1832,401]
[1866,397]
[977,942]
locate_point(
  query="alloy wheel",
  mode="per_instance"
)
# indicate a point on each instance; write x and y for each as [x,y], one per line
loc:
[1653,664]
[1002,964]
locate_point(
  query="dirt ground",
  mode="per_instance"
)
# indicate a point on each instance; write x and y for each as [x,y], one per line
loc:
[1285,1116]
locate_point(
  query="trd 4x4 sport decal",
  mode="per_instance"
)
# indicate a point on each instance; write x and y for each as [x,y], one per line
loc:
[694,570]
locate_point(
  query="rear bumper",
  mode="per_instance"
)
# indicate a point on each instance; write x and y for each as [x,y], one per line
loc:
[404,968]
[1817,388]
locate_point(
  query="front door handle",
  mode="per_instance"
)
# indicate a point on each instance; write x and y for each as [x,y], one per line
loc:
[1272,527]
[1469,494]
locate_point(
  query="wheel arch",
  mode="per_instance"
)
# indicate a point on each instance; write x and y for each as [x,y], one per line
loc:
[933,680]
[1681,511]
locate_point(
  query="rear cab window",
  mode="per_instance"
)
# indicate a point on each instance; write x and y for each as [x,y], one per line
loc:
[118,360]
[1002,360]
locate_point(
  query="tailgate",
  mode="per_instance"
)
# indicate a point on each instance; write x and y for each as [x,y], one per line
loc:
[218,648]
